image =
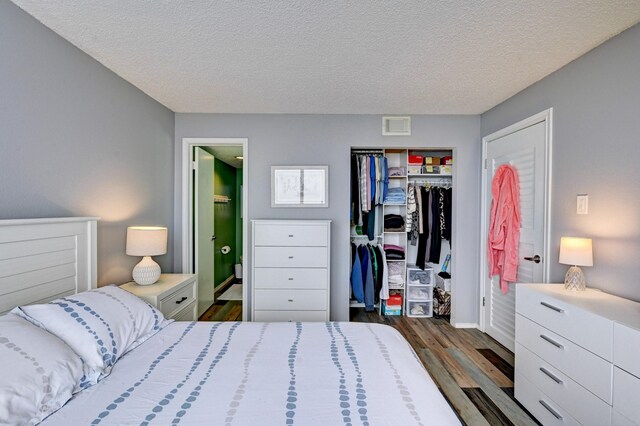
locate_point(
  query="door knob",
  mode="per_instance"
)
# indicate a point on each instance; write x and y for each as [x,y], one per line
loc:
[534,259]
[213,237]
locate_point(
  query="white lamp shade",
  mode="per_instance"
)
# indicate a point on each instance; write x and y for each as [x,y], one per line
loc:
[576,251]
[146,240]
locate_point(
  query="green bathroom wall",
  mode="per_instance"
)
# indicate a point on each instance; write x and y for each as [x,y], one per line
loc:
[224,220]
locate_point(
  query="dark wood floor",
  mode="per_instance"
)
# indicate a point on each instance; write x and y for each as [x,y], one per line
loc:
[223,310]
[473,371]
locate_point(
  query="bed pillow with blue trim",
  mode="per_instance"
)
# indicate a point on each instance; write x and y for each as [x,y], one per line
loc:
[99,325]
[38,372]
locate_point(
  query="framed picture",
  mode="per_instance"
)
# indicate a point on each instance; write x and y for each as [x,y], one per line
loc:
[299,186]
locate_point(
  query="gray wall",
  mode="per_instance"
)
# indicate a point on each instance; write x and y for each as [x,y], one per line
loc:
[326,139]
[77,140]
[596,151]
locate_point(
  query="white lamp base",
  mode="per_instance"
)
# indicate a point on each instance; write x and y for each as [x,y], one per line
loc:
[146,272]
[574,280]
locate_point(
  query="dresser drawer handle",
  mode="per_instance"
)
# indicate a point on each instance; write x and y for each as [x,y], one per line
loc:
[551,410]
[290,279]
[553,308]
[290,300]
[181,300]
[553,342]
[290,235]
[551,375]
[290,257]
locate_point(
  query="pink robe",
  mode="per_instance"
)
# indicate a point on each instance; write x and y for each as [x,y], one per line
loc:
[504,226]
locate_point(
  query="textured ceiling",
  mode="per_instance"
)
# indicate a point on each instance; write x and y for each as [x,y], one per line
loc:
[310,56]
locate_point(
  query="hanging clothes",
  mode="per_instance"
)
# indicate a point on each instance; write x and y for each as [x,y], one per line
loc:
[369,184]
[365,183]
[431,222]
[437,213]
[385,178]
[412,215]
[446,235]
[356,275]
[369,274]
[379,275]
[504,226]
[356,211]
[367,277]
[384,285]
[372,177]
[422,196]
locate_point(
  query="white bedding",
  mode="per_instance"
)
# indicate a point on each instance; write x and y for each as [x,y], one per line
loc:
[264,374]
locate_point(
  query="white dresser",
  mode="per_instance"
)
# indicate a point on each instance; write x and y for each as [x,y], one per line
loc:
[290,272]
[577,356]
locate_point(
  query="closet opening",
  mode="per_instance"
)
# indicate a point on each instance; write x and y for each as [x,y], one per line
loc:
[214,210]
[401,231]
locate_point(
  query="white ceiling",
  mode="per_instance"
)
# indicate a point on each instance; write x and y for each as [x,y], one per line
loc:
[310,56]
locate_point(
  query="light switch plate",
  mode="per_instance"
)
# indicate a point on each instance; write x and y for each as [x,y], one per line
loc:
[582,204]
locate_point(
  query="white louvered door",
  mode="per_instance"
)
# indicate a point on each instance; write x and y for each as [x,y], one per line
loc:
[525,150]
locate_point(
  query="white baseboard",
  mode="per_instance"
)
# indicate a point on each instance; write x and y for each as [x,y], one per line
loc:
[465,325]
[227,281]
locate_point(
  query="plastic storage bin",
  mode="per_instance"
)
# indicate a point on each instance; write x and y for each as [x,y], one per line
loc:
[419,293]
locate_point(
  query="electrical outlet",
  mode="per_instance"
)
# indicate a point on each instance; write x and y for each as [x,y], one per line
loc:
[582,204]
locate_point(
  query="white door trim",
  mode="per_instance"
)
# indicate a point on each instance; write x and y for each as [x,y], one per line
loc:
[545,116]
[187,206]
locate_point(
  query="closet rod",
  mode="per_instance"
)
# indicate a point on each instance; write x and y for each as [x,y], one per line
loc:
[367,151]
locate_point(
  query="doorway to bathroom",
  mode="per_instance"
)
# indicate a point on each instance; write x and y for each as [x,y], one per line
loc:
[213,214]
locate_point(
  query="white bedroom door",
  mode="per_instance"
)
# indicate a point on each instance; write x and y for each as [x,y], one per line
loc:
[526,150]
[203,228]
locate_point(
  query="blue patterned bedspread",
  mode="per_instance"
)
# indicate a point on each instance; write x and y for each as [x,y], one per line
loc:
[264,374]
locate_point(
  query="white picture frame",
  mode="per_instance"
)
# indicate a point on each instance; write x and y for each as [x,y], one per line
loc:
[299,186]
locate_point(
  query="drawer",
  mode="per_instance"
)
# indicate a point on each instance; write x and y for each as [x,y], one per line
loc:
[618,419]
[626,394]
[543,408]
[291,316]
[291,257]
[290,300]
[626,342]
[275,234]
[419,309]
[419,277]
[584,406]
[584,367]
[419,293]
[177,300]
[188,313]
[282,278]
[584,328]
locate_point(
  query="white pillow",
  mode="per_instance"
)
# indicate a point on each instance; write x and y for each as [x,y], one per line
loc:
[99,325]
[38,372]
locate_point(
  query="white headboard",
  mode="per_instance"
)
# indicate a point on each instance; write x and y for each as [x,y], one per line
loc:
[43,259]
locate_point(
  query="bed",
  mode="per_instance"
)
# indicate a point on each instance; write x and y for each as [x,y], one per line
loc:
[194,373]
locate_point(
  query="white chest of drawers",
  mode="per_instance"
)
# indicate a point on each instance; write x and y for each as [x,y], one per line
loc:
[290,272]
[577,356]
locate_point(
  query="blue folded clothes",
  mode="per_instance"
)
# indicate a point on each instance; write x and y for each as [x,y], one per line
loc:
[395,196]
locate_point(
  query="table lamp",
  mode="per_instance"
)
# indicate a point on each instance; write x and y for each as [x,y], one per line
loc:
[146,241]
[575,252]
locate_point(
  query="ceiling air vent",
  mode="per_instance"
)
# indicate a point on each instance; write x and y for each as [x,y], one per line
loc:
[396,126]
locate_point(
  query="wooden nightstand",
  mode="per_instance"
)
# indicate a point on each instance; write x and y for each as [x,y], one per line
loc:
[175,295]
